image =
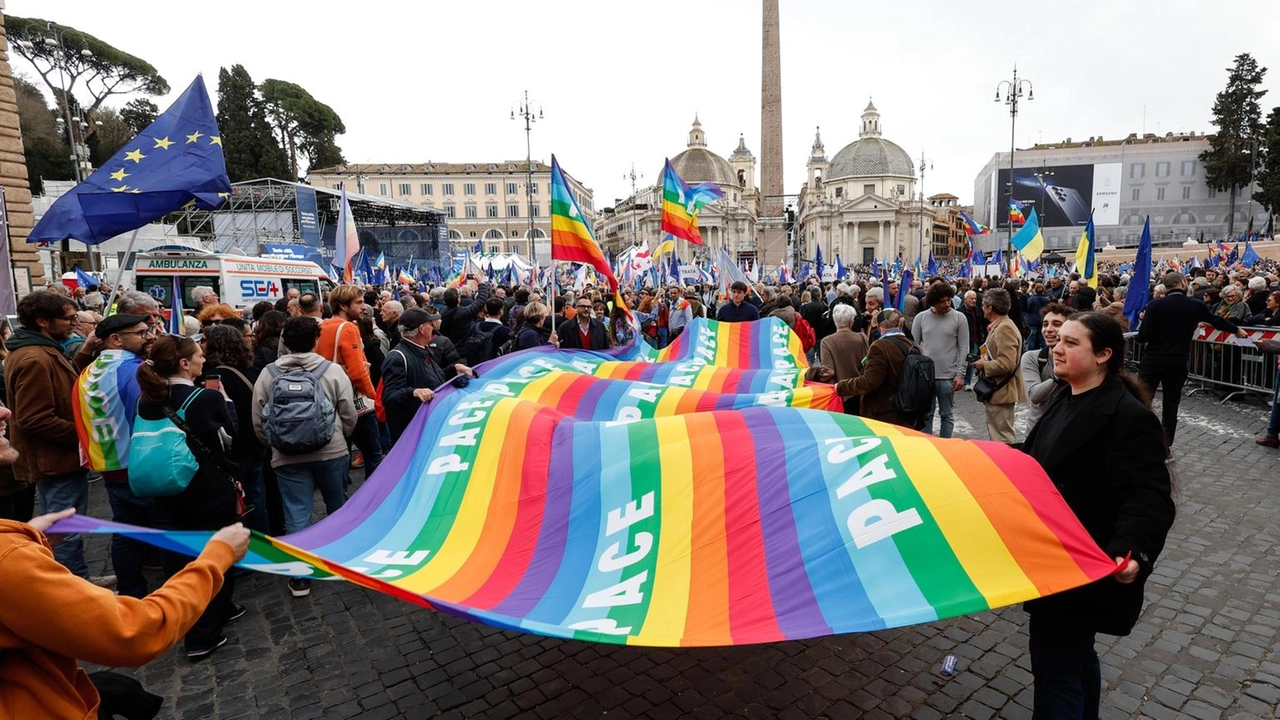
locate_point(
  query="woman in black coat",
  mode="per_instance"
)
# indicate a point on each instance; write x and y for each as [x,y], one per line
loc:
[1104,449]
[532,332]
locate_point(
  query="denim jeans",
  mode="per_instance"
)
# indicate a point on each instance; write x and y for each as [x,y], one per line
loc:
[60,493]
[127,554]
[1274,426]
[384,435]
[299,482]
[943,401]
[249,473]
[1064,666]
[968,372]
[367,439]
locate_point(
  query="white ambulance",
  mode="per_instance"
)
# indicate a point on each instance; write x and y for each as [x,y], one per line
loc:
[239,280]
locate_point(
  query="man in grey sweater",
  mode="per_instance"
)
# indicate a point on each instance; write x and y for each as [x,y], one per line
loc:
[943,336]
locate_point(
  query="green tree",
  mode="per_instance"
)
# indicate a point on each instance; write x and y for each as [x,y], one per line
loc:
[138,114]
[302,123]
[103,72]
[1268,193]
[112,133]
[1228,163]
[248,144]
[44,145]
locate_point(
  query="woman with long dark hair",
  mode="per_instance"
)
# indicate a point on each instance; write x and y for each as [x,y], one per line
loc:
[1104,449]
[266,338]
[167,379]
[227,357]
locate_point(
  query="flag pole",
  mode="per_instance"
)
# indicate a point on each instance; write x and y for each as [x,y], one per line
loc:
[115,287]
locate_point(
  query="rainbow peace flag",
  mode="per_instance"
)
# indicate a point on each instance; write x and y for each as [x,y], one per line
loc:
[698,495]
[103,406]
[973,227]
[1017,212]
[681,203]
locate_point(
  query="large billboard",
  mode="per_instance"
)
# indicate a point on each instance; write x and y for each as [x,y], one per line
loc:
[1062,195]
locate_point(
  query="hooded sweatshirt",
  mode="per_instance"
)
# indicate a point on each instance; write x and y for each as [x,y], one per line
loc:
[40,380]
[337,386]
[50,618]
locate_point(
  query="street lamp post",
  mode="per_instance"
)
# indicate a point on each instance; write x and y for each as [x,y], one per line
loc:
[634,199]
[79,151]
[925,164]
[1013,90]
[525,111]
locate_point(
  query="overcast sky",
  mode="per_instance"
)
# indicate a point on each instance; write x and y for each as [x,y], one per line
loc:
[619,83]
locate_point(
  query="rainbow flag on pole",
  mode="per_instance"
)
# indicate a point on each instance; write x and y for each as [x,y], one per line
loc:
[973,227]
[571,237]
[699,495]
[681,203]
[347,241]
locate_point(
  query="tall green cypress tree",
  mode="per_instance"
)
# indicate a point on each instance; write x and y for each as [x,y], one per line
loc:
[248,144]
[1268,194]
[1229,161]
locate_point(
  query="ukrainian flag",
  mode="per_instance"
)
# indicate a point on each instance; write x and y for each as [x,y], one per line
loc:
[1085,265]
[1028,240]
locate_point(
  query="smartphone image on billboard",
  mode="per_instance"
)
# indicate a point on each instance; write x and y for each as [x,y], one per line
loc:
[1069,202]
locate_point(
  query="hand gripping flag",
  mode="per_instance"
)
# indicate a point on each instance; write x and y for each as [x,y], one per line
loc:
[698,495]
[681,203]
[176,161]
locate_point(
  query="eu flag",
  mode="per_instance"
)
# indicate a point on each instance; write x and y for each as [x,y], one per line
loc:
[175,161]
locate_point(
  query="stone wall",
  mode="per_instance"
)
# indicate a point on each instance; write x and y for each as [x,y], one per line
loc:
[13,172]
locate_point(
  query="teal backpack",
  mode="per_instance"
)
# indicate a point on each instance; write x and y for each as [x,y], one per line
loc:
[160,461]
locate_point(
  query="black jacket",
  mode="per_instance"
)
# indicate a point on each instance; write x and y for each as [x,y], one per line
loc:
[528,336]
[407,368]
[455,322]
[1169,323]
[1107,460]
[570,339]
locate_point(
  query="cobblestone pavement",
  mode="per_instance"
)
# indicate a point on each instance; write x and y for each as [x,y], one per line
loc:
[1206,646]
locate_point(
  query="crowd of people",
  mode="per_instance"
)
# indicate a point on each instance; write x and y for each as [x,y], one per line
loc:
[281,400]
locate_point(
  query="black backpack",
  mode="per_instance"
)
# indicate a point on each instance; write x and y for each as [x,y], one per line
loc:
[478,346]
[915,392]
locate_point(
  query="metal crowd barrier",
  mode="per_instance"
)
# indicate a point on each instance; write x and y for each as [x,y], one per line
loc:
[1218,364]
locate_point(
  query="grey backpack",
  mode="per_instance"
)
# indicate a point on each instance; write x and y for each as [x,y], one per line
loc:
[298,417]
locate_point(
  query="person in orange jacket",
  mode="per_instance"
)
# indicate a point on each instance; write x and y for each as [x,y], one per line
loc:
[341,344]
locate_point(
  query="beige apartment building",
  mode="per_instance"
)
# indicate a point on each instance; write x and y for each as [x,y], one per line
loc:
[506,206]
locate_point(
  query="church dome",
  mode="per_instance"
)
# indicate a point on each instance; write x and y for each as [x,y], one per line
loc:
[870,154]
[697,164]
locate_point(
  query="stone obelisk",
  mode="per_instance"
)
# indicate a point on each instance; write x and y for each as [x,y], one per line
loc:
[773,243]
[13,174]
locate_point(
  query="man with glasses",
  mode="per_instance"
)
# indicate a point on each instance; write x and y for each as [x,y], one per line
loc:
[105,402]
[40,381]
[737,309]
[81,329]
[583,332]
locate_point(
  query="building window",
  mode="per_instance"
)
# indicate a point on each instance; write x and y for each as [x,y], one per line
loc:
[1186,192]
[1162,169]
[491,188]
[535,210]
[468,188]
[1137,194]
[1212,193]
[1137,171]
[1188,168]
[1159,193]
[512,189]
[448,188]
[450,210]
[405,189]
[868,189]
[533,188]
[382,189]
[491,211]
[426,188]
[471,211]
[839,192]
[513,211]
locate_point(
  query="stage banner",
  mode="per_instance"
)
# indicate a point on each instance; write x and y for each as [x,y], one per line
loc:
[308,216]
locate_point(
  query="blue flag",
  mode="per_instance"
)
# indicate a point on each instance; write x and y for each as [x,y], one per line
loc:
[805,271]
[175,306]
[904,287]
[997,259]
[1140,283]
[366,268]
[175,161]
[884,283]
[675,269]
[84,279]
[933,265]
[839,267]
[1250,255]
[978,258]
[818,260]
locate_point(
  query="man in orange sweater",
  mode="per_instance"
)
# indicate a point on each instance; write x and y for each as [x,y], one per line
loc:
[342,344]
[49,618]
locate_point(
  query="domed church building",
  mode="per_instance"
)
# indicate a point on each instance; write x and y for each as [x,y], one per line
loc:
[862,203]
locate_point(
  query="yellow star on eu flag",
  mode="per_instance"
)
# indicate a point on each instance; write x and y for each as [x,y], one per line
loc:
[122,188]
[164,143]
[119,175]
[134,155]
[194,136]
[215,140]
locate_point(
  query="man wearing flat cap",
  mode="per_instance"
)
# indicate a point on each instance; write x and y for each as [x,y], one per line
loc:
[411,373]
[104,402]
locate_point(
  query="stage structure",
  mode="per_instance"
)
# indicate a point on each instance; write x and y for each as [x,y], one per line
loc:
[287,219]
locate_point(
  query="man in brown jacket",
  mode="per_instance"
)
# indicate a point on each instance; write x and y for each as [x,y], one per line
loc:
[999,362]
[39,380]
[879,380]
[845,351]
